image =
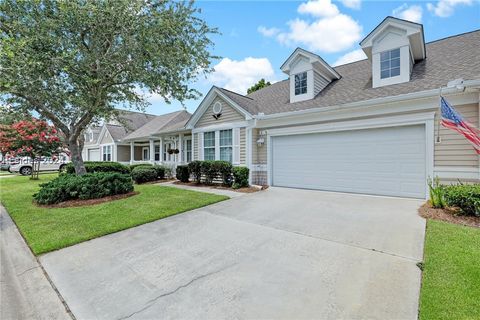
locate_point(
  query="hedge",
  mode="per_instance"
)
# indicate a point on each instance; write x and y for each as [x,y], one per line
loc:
[89,186]
[183,174]
[142,174]
[464,196]
[195,168]
[99,166]
[240,177]
[133,166]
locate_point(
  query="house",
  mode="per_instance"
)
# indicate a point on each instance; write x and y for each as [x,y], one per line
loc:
[368,127]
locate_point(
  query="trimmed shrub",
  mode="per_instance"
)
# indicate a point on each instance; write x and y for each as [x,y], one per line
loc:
[89,186]
[209,171]
[224,171]
[183,174]
[99,166]
[133,166]
[195,168]
[464,196]
[144,174]
[160,171]
[240,177]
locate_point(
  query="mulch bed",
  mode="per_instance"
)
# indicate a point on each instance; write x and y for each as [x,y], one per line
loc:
[449,215]
[242,190]
[88,202]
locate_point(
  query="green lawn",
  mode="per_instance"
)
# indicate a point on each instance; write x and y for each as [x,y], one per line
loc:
[50,229]
[451,275]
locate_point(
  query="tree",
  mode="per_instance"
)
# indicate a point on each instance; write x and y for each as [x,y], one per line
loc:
[72,62]
[33,138]
[259,85]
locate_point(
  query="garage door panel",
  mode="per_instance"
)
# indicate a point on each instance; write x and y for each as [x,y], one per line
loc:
[386,161]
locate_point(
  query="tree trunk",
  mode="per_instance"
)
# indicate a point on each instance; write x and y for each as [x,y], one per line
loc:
[76,157]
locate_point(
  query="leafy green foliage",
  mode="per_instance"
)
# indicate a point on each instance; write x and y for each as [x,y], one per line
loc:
[195,168]
[209,171]
[464,196]
[88,186]
[72,62]
[144,174]
[259,85]
[437,199]
[240,177]
[224,171]
[183,174]
[133,166]
[160,171]
[100,166]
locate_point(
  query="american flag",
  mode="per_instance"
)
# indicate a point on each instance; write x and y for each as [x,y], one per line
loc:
[451,119]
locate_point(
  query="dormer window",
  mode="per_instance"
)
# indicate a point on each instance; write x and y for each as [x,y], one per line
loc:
[301,83]
[390,63]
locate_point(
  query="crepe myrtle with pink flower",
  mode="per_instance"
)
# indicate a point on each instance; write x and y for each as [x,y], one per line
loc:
[31,138]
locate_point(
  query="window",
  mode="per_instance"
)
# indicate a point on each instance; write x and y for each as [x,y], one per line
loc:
[209,145]
[300,83]
[107,153]
[145,153]
[187,150]
[157,153]
[166,156]
[226,145]
[390,63]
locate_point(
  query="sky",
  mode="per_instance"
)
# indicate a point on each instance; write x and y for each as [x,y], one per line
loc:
[258,36]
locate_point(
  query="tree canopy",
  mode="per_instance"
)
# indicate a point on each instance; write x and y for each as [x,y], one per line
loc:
[259,85]
[72,62]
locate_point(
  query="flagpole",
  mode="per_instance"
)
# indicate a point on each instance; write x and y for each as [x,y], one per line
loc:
[439,114]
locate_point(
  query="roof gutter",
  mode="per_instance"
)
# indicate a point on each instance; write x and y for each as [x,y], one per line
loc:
[455,87]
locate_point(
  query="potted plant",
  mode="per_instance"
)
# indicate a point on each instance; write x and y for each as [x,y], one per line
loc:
[170,151]
[176,151]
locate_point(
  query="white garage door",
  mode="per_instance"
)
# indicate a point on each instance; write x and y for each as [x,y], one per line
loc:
[385,161]
[93,155]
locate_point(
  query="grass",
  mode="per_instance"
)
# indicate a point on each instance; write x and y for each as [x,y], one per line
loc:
[451,275]
[50,229]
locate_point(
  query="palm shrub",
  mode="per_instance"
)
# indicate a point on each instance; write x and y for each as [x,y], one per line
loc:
[183,174]
[436,191]
[240,177]
[89,186]
[195,168]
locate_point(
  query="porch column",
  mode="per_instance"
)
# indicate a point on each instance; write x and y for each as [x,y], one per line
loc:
[152,151]
[132,151]
[161,149]
[180,146]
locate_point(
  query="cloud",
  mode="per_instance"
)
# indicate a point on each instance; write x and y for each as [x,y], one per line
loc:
[239,75]
[332,34]
[351,56]
[268,32]
[329,31]
[352,4]
[319,8]
[445,8]
[410,13]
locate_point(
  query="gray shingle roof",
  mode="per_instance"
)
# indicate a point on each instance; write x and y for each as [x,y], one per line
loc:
[164,123]
[447,59]
[128,121]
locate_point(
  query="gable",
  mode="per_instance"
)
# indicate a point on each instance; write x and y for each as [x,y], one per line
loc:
[107,138]
[390,38]
[228,114]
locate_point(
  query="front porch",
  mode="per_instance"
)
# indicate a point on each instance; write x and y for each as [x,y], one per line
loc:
[169,149]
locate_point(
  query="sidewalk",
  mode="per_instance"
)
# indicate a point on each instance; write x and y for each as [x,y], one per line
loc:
[25,292]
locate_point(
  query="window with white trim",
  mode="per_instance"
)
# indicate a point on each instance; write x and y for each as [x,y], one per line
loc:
[209,145]
[390,63]
[226,145]
[300,83]
[157,153]
[145,153]
[107,153]
[187,150]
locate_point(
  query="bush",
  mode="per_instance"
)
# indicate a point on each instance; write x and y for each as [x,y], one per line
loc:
[224,170]
[144,174]
[183,174]
[133,166]
[195,168]
[99,166]
[160,170]
[437,198]
[209,171]
[240,177]
[464,196]
[89,186]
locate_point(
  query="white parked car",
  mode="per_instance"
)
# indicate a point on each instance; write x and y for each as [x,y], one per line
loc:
[24,167]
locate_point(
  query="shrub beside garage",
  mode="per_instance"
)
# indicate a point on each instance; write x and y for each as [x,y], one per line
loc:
[211,172]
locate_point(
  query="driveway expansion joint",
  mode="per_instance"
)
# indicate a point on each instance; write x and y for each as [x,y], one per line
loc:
[151,302]
[319,238]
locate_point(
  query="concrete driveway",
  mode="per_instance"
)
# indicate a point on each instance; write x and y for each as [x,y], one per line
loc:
[281,253]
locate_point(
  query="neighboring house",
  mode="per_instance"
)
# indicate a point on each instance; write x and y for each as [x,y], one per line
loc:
[369,126]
